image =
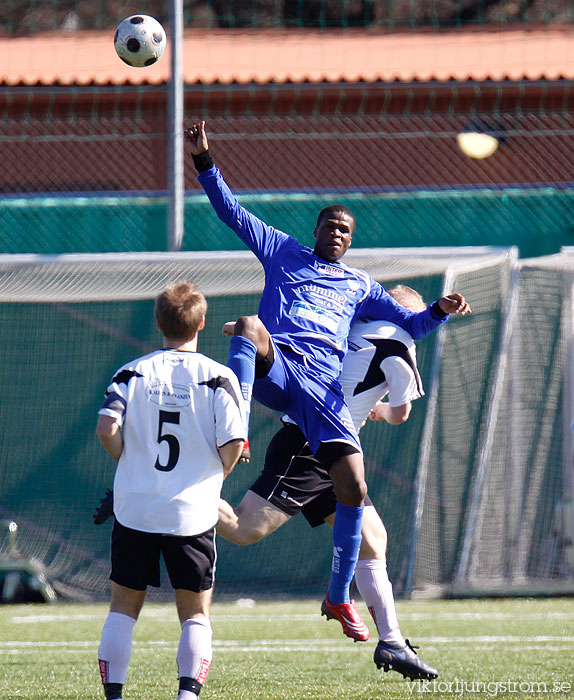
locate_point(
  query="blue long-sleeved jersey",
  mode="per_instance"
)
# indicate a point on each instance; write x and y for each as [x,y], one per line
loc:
[307,302]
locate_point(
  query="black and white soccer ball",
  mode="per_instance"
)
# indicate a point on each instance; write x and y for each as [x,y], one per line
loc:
[139,40]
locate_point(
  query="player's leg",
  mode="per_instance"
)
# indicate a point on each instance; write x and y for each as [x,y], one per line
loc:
[371,575]
[135,565]
[372,578]
[252,520]
[115,647]
[195,650]
[319,408]
[190,563]
[392,651]
[347,474]
[250,342]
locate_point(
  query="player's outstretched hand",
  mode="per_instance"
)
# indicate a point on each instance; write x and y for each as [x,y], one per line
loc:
[454,304]
[197,138]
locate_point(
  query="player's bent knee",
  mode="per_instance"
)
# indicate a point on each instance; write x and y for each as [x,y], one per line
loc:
[361,490]
[351,493]
[249,327]
[357,489]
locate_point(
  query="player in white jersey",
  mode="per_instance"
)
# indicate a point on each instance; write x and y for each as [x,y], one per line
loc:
[175,423]
[381,363]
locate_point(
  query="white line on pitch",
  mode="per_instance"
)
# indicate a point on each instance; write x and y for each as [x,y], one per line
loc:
[297,644]
[254,616]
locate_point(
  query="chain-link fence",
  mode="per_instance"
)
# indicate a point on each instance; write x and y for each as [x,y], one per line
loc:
[72,155]
[84,169]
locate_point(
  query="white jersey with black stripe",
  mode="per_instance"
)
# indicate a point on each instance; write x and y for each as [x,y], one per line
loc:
[175,408]
[381,360]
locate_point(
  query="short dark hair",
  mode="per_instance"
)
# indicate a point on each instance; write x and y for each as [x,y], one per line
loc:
[336,209]
[179,310]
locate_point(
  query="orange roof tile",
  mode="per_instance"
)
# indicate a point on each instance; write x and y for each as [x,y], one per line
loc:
[295,55]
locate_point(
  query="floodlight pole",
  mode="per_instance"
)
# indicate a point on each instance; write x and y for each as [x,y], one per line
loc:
[175,126]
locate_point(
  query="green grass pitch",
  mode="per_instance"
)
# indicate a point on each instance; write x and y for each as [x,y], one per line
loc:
[506,649]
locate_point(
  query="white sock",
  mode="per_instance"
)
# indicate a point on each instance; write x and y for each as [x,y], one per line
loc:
[116,647]
[377,591]
[194,653]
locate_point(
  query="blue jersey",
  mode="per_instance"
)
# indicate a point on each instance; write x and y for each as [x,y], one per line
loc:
[307,302]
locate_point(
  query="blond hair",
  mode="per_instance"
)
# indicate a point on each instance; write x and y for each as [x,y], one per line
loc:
[179,310]
[408,297]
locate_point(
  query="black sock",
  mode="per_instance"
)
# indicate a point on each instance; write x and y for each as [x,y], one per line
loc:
[187,683]
[113,690]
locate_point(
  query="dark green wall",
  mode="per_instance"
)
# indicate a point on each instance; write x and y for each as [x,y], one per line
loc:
[539,221]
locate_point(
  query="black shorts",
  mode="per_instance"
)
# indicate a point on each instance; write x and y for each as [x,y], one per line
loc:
[293,480]
[190,561]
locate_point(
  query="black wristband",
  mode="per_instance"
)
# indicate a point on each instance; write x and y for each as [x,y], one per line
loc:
[437,311]
[203,161]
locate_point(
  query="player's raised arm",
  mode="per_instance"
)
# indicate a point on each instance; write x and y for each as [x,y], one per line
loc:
[262,239]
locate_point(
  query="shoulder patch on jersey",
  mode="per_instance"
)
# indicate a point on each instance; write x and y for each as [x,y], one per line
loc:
[125,375]
[222,383]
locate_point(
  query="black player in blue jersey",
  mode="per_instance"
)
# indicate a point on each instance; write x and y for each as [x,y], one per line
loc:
[290,355]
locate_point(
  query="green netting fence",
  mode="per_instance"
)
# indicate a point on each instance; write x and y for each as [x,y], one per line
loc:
[84,170]
[475,489]
[58,359]
[538,221]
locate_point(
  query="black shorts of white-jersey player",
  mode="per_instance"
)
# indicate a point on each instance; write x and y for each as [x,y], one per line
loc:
[381,364]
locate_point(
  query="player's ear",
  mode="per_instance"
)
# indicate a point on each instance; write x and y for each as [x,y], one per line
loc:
[202,324]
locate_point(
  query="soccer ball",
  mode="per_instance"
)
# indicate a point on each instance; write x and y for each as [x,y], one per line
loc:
[139,40]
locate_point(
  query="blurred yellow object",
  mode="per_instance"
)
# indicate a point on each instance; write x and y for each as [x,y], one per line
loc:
[475,144]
